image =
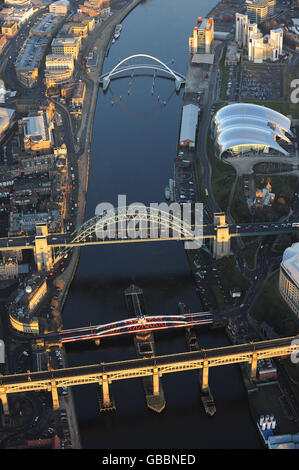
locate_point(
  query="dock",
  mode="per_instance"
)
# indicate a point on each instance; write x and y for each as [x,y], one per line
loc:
[144,347]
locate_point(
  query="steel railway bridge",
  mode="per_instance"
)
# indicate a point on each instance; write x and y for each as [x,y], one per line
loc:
[155,64]
[155,366]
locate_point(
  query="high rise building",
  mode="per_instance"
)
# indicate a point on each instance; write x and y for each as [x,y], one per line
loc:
[259,47]
[276,36]
[257,11]
[264,47]
[271,7]
[241,29]
[203,35]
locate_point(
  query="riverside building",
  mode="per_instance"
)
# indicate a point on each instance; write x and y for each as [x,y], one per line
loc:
[259,47]
[289,277]
[203,35]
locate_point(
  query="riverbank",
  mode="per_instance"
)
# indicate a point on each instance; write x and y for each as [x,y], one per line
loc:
[105,31]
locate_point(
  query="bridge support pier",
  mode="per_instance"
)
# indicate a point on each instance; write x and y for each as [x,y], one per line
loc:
[205,376]
[105,402]
[3,398]
[106,82]
[54,393]
[253,366]
[178,84]
[42,252]
[221,245]
[156,382]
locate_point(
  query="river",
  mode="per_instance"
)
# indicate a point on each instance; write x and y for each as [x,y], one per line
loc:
[133,146]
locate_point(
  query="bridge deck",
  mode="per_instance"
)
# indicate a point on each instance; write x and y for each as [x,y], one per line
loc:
[143,367]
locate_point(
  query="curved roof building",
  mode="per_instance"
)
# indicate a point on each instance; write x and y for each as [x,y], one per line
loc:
[244,127]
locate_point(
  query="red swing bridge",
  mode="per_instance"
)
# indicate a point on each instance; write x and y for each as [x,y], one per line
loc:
[140,324]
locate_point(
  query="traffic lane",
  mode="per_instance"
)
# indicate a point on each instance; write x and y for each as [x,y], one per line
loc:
[141,363]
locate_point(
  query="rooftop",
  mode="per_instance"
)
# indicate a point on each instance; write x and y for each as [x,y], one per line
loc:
[290,262]
[6,115]
[250,124]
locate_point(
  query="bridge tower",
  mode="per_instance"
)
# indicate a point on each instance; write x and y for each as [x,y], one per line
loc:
[3,398]
[42,251]
[221,246]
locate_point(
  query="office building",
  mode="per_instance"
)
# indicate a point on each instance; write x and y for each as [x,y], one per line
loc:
[289,277]
[29,60]
[257,11]
[61,7]
[67,45]
[203,35]
[59,69]
[9,28]
[37,131]
[241,29]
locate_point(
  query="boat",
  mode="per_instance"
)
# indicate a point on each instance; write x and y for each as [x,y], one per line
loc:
[167,193]
[117,31]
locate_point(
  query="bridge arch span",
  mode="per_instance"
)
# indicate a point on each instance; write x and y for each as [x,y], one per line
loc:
[105,78]
[122,217]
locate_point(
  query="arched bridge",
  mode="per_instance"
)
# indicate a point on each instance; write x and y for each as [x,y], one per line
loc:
[149,225]
[155,64]
[127,224]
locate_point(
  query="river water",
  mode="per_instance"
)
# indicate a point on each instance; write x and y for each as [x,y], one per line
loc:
[133,146]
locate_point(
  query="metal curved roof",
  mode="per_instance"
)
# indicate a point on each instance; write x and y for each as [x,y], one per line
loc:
[253,123]
[244,111]
[247,136]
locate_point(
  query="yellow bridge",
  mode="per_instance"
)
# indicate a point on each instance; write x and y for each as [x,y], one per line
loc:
[156,366]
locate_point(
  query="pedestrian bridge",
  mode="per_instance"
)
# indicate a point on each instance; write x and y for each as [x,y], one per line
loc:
[153,63]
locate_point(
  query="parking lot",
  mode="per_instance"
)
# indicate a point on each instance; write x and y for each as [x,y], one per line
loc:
[232,91]
[257,82]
